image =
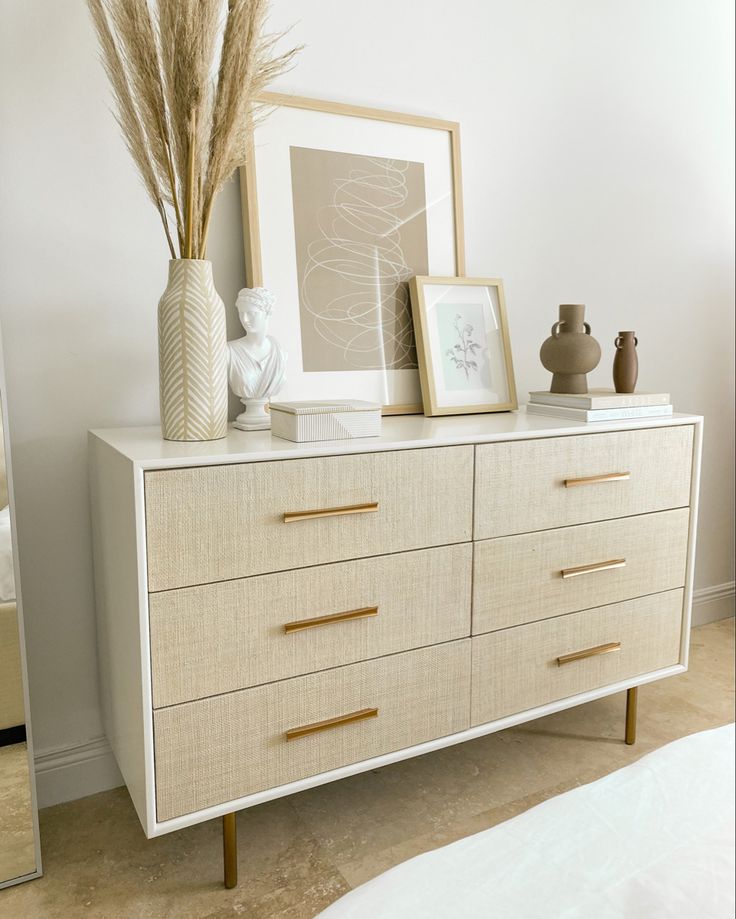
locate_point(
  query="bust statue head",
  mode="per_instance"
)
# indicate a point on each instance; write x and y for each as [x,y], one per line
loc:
[254,307]
[257,362]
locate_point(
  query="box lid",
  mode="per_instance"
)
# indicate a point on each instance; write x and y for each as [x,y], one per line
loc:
[325,408]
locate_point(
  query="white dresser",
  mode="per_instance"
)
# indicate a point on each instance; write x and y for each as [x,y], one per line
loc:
[274,615]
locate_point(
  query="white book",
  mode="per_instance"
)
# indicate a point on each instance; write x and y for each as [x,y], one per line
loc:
[601,414]
[600,398]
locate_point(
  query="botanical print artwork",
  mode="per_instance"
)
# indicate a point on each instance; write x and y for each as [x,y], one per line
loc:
[464,353]
[360,230]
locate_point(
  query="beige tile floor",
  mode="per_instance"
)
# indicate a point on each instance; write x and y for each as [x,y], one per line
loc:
[299,854]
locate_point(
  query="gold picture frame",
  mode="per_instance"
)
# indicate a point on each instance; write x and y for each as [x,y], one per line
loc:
[446,348]
[253,239]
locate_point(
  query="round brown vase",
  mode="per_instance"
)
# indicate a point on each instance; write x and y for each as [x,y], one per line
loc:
[626,362]
[571,351]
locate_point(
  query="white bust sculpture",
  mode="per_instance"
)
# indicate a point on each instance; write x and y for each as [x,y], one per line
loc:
[256,362]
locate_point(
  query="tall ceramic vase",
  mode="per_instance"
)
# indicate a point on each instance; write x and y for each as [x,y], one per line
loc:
[625,362]
[192,350]
[570,352]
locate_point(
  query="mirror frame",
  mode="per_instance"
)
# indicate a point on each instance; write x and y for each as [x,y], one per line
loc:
[37,873]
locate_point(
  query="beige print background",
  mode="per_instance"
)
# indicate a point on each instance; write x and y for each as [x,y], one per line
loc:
[360,231]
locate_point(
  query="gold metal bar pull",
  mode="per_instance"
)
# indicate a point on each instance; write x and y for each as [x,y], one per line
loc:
[598,479]
[589,652]
[294,516]
[596,566]
[347,616]
[318,726]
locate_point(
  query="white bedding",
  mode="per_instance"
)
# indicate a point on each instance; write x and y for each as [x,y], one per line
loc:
[7,577]
[652,840]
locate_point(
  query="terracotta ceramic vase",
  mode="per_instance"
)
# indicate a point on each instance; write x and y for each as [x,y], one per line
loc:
[626,362]
[571,351]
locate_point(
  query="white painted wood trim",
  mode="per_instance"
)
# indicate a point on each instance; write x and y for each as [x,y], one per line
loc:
[145,448]
[75,771]
[711,604]
[118,546]
[692,536]
[147,689]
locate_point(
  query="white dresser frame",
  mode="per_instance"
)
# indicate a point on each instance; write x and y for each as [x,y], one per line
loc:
[119,460]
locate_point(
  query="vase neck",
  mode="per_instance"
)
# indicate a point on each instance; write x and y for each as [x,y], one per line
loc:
[572,316]
[192,268]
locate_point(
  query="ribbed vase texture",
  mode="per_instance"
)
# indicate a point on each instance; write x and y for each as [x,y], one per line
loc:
[192,350]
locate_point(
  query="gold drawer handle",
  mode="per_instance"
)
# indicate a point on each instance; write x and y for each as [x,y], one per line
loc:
[318,726]
[331,512]
[597,479]
[589,652]
[347,616]
[596,566]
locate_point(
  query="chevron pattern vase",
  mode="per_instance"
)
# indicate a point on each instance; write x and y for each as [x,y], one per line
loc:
[192,351]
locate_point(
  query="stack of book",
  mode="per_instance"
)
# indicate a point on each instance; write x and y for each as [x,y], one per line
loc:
[599,405]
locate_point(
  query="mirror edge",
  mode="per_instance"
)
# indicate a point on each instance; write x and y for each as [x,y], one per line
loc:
[21,633]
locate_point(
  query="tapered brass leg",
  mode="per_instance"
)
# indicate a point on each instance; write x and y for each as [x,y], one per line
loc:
[631,700]
[230,850]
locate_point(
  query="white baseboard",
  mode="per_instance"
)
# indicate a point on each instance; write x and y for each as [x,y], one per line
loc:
[713,603]
[84,769]
[72,772]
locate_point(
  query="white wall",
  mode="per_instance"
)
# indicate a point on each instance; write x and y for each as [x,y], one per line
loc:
[597,148]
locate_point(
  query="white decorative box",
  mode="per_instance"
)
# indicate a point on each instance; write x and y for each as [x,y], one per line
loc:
[301,421]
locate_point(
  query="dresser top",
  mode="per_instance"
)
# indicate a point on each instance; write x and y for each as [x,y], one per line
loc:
[145,447]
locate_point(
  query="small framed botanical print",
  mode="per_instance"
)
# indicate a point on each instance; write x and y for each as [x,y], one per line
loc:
[342,205]
[463,345]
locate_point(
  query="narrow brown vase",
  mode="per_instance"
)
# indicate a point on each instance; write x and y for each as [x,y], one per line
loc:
[626,362]
[571,351]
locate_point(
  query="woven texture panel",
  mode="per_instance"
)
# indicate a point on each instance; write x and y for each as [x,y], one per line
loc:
[219,522]
[220,637]
[520,485]
[516,669]
[222,748]
[517,578]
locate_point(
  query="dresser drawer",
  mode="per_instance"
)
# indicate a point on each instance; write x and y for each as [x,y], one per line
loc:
[520,579]
[214,523]
[522,486]
[220,637]
[520,668]
[218,749]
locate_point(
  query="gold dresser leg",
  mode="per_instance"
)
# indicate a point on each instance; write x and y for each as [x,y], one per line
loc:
[230,850]
[631,700]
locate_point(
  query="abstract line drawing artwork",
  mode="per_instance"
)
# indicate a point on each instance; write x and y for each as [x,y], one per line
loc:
[361,232]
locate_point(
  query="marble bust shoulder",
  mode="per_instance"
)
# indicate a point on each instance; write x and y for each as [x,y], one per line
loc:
[256,362]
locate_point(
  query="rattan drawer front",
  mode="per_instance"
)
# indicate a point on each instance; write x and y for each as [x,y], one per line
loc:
[220,637]
[539,575]
[520,486]
[517,669]
[215,523]
[218,749]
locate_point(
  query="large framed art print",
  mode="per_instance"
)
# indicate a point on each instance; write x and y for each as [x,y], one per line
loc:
[341,207]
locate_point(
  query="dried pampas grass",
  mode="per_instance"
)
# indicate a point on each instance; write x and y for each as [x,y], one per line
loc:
[185,76]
